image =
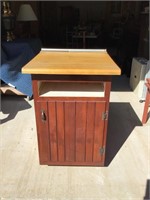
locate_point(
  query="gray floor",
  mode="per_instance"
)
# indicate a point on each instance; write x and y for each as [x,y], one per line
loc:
[125,177]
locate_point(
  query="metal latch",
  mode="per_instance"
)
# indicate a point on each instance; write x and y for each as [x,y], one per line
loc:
[105,115]
[102,150]
[43,115]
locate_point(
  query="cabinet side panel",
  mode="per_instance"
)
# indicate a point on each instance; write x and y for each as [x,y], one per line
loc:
[90,131]
[60,129]
[81,108]
[98,133]
[69,131]
[42,131]
[52,130]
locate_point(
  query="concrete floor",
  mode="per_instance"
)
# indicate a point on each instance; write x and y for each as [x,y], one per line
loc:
[125,177]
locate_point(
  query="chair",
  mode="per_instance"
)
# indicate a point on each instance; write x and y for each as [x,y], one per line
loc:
[14,55]
[147,102]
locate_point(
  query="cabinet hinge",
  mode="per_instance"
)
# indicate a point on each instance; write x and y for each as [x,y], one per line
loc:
[102,150]
[105,115]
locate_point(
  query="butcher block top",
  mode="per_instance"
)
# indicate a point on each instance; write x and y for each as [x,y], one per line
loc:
[72,62]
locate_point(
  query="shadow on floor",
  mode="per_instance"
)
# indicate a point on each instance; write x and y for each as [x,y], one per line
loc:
[122,121]
[120,84]
[11,105]
[147,191]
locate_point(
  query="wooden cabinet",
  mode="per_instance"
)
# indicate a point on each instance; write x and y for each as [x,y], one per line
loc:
[71,108]
[71,123]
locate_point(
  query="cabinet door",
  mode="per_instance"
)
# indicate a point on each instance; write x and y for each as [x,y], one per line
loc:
[76,132]
[70,132]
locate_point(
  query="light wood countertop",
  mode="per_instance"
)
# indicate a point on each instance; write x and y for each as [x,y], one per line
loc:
[72,63]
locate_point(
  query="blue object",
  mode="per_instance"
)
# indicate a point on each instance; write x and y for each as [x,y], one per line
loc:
[14,55]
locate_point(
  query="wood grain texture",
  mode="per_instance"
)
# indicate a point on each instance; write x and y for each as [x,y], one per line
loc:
[98,131]
[80,120]
[60,130]
[69,125]
[72,133]
[72,63]
[42,132]
[90,129]
[52,130]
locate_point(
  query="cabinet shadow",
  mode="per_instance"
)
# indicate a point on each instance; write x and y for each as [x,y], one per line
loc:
[147,190]
[122,121]
[11,105]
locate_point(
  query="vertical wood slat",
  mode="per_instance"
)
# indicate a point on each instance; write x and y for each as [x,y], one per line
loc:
[90,130]
[80,131]
[52,130]
[69,131]
[98,133]
[60,130]
[42,131]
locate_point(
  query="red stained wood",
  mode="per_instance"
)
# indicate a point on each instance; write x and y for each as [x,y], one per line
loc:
[60,130]
[74,130]
[52,130]
[147,102]
[80,120]
[90,130]
[69,125]
[42,131]
[99,130]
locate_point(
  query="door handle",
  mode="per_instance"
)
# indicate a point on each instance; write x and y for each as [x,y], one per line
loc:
[43,116]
